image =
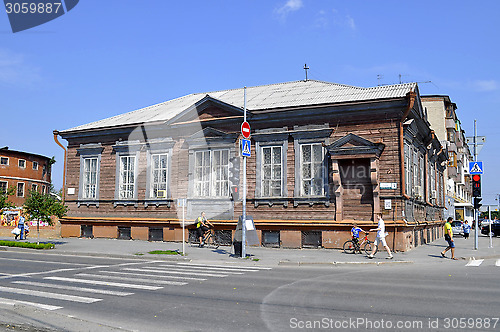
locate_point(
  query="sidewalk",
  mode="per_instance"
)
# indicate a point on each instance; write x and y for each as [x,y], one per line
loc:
[262,256]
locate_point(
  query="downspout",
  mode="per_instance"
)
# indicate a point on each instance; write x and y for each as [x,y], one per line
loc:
[56,133]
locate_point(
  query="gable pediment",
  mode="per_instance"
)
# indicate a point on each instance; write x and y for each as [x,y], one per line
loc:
[205,109]
[352,144]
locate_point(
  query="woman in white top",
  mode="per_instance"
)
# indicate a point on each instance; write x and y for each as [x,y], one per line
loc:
[381,234]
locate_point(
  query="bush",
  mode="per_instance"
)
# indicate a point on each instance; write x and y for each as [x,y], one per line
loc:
[27,245]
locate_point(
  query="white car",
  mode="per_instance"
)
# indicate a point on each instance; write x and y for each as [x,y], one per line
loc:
[457,227]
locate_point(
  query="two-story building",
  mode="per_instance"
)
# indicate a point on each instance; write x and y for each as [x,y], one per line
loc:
[324,156]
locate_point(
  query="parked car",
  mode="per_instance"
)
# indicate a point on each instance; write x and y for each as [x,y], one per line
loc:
[457,227]
[495,228]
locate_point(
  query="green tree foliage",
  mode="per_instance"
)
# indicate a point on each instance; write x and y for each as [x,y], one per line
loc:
[4,198]
[41,207]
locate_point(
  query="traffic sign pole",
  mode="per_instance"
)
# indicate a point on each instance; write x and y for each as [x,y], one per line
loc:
[244,207]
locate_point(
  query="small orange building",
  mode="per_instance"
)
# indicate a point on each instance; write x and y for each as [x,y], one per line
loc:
[24,171]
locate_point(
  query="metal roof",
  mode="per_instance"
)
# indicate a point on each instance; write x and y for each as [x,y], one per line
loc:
[264,97]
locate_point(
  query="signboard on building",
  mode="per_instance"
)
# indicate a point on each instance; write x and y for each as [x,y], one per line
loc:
[388,185]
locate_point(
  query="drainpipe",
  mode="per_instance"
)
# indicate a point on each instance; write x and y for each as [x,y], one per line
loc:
[56,133]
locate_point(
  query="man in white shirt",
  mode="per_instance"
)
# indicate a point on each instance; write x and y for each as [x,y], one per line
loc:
[381,234]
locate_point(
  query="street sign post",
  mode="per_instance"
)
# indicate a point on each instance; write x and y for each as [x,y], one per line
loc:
[181,202]
[475,167]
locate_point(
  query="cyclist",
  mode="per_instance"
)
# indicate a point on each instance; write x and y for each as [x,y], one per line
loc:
[202,225]
[355,233]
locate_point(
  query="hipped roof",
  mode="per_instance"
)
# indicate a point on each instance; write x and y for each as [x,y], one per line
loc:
[259,98]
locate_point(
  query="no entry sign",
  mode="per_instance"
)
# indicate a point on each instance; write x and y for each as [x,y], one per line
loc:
[245,129]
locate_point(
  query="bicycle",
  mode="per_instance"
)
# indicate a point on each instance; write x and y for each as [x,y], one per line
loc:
[210,239]
[352,247]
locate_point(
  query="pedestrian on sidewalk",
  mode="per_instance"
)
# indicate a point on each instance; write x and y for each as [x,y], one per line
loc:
[466,228]
[355,233]
[20,225]
[448,236]
[202,225]
[381,234]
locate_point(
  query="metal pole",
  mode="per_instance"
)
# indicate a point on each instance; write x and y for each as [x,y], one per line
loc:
[183,231]
[489,216]
[476,215]
[244,208]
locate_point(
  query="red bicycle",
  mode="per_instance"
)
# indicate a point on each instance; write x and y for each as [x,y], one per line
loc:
[353,247]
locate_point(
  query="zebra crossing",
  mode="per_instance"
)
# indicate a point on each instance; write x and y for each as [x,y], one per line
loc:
[92,284]
[479,262]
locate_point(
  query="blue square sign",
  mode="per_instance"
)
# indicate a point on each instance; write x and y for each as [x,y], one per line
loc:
[246,148]
[475,167]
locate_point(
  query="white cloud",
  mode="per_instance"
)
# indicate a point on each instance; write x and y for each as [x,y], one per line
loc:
[288,7]
[15,71]
[338,19]
[485,85]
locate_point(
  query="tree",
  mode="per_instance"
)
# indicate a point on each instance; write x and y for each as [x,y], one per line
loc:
[4,198]
[41,207]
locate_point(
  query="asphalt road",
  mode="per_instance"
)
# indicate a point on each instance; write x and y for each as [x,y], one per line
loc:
[71,293]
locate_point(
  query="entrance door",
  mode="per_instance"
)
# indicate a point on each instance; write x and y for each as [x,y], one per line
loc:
[357,197]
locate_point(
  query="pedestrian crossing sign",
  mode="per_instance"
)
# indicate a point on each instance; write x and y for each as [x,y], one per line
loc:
[476,167]
[245,148]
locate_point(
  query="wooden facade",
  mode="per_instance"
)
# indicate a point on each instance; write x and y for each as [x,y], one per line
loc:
[314,170]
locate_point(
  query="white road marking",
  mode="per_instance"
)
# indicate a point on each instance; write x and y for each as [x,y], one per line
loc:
[43,262]
[228,266]
[474,262]
[49,295]
[151,275]
[168,271]
[152,281]
[80,289]
[497,262]
[196,268]
[105,283]
[33,304]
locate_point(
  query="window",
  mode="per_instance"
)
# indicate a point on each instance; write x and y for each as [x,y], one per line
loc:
[44,171]
[34,187]
[20,189]
[159,171]
[35,165]
[22,163]
[211,171]
[44,189]
[3,187]
[271,169]
[407,168]
[4,161]
[311,170]
[89,177]
[126,186]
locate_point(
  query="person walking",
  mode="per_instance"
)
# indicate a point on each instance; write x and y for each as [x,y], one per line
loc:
[448,236]
[381,234]
[466,229]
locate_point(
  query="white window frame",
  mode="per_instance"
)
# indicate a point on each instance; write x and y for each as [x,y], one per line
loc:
[6,186]
[274,178]
[4,158]
[90,183]
[19,163]
[17,189]
[407,166]
[35,165]
[154,185]
[208,176]
[313,176]
[127,179]
[34,187]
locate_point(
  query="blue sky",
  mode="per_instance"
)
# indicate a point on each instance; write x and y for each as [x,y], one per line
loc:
[108,57]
